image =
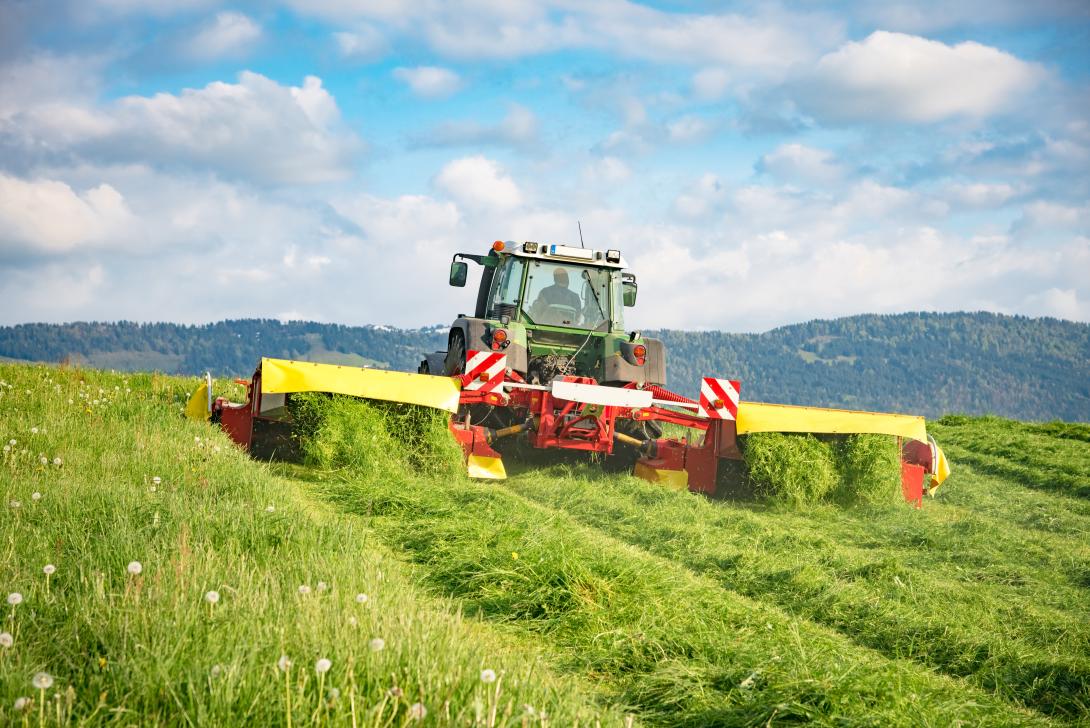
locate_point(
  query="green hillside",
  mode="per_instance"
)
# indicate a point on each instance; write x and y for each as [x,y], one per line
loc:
[590,598]
[980,363]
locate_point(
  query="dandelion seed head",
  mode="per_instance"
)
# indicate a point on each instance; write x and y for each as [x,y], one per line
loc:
[152,489]
[217,670]
[304,589]
[57,461]
[322,586]
[42,680]
[49,569]
[270,509]
[157,480]
[15,599]
[134,567]
[377,644]
[361,598]
[395,692]
[283,664]
[13,442]
[417,711]
[7,448]
[322,666]
[212,596]
[23,703]
[34,430]
[43,460]
[6,640]
[488,676]
[15,504]
[35,496]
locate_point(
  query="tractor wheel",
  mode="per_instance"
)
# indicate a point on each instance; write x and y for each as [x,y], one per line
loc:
[456,354]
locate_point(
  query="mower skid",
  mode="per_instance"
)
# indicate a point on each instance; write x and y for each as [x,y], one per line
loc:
[482,462]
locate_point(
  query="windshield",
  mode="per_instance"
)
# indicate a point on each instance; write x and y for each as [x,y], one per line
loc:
[560,294]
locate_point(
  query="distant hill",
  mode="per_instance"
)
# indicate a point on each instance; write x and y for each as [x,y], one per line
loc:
[926,363]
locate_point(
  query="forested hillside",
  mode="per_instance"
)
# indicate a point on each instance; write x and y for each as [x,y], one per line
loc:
[977,363]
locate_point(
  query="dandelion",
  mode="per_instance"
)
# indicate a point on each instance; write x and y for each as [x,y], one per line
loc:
[15,599]
[23,703]
[216,671]
[377,644]
[270,509]
[49,569]
[41,681]
[43,460]
[212,597]
[13,442]
[15,504]
[417,711]
[152,489]
[304,589]
[515,555]
[6,640]
[35,496]
[33,430]
[395,692]
[488,676]
[134,568]
[322,666]
[322,586]
[283,664]
[157,480]
[352,622]
[57,461]
[361,598]
[7,448]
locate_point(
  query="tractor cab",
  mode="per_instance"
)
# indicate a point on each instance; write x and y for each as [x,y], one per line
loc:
[552,310]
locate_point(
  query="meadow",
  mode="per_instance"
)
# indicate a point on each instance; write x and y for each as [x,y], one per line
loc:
[376,585]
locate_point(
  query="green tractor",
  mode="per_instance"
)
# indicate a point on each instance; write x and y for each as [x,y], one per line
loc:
[553,311]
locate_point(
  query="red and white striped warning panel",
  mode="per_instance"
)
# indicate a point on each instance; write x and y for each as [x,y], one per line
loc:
[719,398]
[484,371]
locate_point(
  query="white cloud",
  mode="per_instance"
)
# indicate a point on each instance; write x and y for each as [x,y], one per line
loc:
[705,196]
[798,163]
[49,217]
[255,129]
[228,34]
[478,183]
[689,128]
[711,84]
[429,82]
[898,77]
[519,128]
[980,195]
[364,43]
[1059,303]
[608,171]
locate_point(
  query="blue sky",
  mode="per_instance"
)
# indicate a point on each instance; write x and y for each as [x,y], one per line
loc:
[759,164]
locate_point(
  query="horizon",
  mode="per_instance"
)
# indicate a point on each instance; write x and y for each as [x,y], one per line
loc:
[758,165]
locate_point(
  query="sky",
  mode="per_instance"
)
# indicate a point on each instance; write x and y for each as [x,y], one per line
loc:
[758,164]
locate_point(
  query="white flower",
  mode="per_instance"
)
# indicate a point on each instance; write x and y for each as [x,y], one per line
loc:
[152,489]
[7,448]
[49,569]
[377,644]
[15,599]
[304,589]
[217,670]
[322,666]
[12,442]
[35,496]
[6,640]
[22,704]
[34,430]
[212,596]
[14,504]
[135,567]
[361,598]
[157,480]
[44,460]
[283,664]
[270,509]
[57,461]
[417,711]
[42,680]
[488,676]
[322,586]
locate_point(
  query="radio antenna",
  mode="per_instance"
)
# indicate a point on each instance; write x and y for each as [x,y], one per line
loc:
[580,234]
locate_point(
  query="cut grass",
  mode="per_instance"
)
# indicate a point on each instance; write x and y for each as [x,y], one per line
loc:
[675,645]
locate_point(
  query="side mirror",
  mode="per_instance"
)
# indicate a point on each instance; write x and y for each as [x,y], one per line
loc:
[628,292]
[459,270]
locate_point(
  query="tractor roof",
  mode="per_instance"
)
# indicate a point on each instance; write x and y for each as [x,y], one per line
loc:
[567,253]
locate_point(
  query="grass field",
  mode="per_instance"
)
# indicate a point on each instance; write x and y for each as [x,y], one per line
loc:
[563,596]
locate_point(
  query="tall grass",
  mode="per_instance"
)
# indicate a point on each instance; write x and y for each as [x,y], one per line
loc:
[137,483]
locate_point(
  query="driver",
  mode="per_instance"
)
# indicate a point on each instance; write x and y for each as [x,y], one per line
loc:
[558,294]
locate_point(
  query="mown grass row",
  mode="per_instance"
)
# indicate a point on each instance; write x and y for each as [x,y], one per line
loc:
[675,645]
[240,573]
[992,628]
